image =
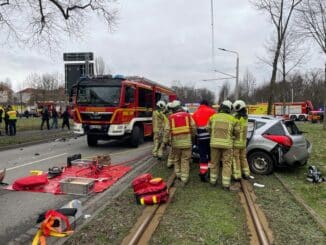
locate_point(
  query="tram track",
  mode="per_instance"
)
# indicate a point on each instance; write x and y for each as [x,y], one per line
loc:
[147,223]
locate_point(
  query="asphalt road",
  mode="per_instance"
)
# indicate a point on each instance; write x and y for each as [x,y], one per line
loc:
[19,210]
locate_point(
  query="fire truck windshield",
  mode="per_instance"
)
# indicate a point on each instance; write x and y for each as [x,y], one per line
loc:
[98,95]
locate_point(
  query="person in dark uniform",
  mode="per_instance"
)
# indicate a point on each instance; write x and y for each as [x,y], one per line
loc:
[65,119]
[45,118]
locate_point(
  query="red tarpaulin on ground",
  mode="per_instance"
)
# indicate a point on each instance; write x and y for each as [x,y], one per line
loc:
[105,178]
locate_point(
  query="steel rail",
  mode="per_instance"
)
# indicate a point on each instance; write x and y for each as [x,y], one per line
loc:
[149,213]
[259,228]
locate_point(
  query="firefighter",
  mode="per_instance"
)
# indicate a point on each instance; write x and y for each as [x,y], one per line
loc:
[168,112]
[12,119]
[222,128]
[158,128]
[201,117]
[181,129]
[239,150]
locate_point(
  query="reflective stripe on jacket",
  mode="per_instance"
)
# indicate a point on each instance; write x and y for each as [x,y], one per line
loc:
[12,115]
[158,121]
[222,128]
[241,138]
[181,128]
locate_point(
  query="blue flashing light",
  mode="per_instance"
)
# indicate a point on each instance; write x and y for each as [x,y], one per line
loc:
[118,76]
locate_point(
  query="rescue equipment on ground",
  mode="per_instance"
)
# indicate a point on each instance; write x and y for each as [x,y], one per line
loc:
[149,190]
[2,176]
[54,172]
[314,175]
[77,185]
[30,182]
[55,224]
[36,172]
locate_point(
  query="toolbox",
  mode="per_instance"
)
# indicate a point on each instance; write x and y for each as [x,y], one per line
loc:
[82,162]
[77,185]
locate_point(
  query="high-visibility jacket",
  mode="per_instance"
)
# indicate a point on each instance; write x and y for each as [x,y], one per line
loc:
[222,127]
[12,115]
[181,128]
[202,115]
[158,121]
[241,138]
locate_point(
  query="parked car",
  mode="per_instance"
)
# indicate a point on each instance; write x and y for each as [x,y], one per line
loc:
[273,142]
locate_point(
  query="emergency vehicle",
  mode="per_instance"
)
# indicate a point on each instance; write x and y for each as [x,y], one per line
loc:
[291,110]
[107,107]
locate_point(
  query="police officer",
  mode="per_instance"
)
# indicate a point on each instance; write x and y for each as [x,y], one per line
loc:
[6,119]
[201,117]
[239,150]
[12,118]
[222,127]
[181,129]
[158,128]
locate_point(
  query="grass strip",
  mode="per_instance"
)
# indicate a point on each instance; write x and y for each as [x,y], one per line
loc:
[314,195]
[291,224]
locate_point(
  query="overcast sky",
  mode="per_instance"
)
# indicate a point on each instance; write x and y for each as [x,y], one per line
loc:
[163,41]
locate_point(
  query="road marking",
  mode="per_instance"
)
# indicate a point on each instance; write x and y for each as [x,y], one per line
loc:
[30,163]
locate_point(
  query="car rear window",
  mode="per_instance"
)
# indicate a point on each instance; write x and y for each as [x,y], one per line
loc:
[292,128]
[259,124]
[276,129]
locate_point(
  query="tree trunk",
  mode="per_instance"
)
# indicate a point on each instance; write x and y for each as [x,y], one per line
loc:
[324,122]
[273,79]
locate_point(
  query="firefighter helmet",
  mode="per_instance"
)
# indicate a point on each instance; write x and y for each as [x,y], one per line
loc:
[160,104]
[168,105]
[238,105]
[175,104]
[226,104]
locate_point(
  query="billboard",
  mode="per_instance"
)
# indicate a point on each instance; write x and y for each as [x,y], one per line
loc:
[73,71]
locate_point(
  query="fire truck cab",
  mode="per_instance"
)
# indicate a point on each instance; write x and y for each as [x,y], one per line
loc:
[109,107]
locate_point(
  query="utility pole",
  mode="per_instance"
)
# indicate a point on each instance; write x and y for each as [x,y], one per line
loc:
[213,38]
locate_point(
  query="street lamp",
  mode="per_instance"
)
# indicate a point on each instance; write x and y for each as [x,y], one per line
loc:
[237,71]
[212,25]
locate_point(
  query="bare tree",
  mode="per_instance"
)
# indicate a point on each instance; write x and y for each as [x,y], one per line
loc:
[100,66]
[41,22]
[312,22]
[46,86]
[224,92]
[280,12]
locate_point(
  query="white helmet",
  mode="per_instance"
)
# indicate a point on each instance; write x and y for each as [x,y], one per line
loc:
[227,104]
[238,105]
[160,104]
[175,104]
[168,105]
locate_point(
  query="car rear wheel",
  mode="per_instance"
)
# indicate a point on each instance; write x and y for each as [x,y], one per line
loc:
[260,162]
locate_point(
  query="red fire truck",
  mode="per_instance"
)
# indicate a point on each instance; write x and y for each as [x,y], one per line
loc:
[295,110]
[109,107]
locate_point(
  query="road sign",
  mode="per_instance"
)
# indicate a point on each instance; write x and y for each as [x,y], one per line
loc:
[78,56]
[73,71]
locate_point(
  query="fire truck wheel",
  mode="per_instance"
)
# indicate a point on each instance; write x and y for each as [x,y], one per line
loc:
[137,136]
[293,117]
[91,140]
[302,118]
